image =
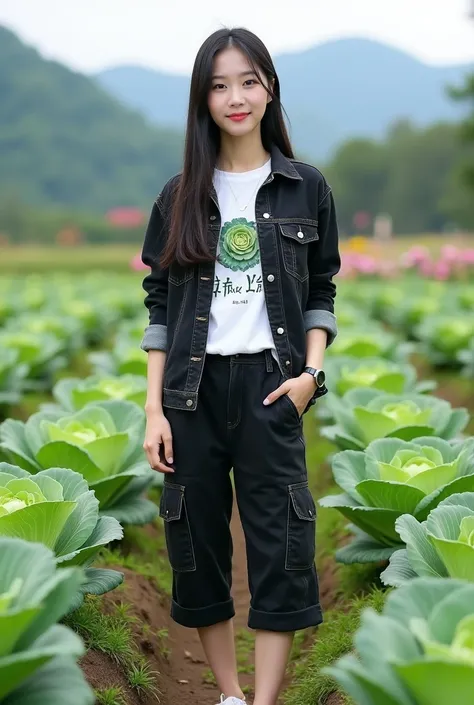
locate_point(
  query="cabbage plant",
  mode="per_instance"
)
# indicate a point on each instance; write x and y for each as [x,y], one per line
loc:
[443,545]
[73,394]
[125,359]
[346,373]
[65,329]
[7,305]
[56,507]
[370,341]
[42,354]
[466,358]
[103,441]
[37,656]
[419,651]
[412,311]
[391,478]
[364,415]
[12,375]
[444,336]
[95,320]
[465,297]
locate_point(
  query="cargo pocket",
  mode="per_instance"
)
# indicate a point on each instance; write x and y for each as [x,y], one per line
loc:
[177,530]
[301,541]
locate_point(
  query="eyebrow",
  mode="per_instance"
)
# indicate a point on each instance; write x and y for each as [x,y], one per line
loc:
[241,75]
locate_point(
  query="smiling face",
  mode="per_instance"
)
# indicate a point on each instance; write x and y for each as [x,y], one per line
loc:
[237,100]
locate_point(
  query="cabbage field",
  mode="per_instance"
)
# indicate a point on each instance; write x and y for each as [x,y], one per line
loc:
[390,454]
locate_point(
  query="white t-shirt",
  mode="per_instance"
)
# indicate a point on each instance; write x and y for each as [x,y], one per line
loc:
[238,320]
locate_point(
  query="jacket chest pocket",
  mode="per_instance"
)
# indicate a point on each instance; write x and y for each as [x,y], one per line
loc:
[179,275]
[294,244]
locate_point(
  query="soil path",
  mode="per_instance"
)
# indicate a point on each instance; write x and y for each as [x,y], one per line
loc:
[183,674]
[187,660]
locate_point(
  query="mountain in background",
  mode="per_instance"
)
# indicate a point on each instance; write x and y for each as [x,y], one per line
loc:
[331,92]
[64,140]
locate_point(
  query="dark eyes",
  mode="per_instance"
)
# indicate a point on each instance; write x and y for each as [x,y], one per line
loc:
[248,82]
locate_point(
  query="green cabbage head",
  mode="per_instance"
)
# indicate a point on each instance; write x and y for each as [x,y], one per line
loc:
[346,373]
[443,337]
[126,358]
[73,394]
[370,341]
[391,478]
[419,651]
[103,441]
[12,375]
[443,545]
[37,656]
[363,415]
[55,507]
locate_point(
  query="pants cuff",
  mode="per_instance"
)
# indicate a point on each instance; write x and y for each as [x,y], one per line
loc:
[285,621]
[202,616]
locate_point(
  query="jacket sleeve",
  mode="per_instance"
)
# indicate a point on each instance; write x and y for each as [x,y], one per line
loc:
[156,282]
[323,264]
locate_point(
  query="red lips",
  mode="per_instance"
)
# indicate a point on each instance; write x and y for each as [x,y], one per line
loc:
[238,117]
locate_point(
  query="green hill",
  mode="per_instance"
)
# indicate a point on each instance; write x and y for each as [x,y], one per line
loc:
[332,92]
[64,140]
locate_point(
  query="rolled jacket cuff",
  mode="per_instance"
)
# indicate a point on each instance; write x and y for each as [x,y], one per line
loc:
[318,318]
[154,338]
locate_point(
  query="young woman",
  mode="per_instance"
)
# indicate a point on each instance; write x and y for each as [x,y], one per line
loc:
[242,248]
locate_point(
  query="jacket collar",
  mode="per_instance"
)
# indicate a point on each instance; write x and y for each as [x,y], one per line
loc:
[282,165]
[279,165]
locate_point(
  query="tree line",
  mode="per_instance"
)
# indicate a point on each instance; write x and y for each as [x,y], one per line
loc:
[422,177]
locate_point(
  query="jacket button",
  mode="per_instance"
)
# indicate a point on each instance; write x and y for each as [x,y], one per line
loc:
[212,217]
[271,278]
[266,215]
[280,331]
[300,234]
[189,402]
[287,363]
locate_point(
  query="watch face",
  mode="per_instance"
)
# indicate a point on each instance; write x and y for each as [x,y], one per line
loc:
[320,378]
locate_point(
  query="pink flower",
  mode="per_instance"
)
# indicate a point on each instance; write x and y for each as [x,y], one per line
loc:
[442,270]
[468,256]
[426,268]
[450,253]
[416,255]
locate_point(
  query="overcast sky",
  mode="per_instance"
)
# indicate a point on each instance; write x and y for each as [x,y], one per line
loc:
[165,34]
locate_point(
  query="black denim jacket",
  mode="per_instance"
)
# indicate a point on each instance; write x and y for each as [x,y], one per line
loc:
[298,237]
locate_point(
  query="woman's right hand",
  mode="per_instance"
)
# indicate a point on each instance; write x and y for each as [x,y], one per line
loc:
[158,443]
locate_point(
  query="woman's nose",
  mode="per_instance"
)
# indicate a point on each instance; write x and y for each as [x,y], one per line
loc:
[235,98]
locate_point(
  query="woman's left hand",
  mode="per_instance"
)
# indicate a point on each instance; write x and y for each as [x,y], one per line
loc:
[299,389]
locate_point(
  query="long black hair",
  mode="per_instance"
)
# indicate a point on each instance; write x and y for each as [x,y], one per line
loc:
[187,242]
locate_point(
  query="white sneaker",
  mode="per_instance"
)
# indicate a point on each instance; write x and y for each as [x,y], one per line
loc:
[231,701]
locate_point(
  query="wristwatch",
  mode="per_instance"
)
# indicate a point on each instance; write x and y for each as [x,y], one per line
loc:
[318,376]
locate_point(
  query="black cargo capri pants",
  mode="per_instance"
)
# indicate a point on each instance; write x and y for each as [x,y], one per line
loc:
[231,428]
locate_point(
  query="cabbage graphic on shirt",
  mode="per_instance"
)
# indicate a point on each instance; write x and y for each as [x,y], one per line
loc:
[239,249]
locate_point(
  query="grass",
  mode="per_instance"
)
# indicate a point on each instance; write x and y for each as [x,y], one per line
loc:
[145,555]
[44,259]
[355,586]
[334,639]
[112,634]
[110,696]
[143,679]
[116,257]
[331,531]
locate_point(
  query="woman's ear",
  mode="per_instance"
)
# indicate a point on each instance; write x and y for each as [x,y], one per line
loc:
[271,86]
